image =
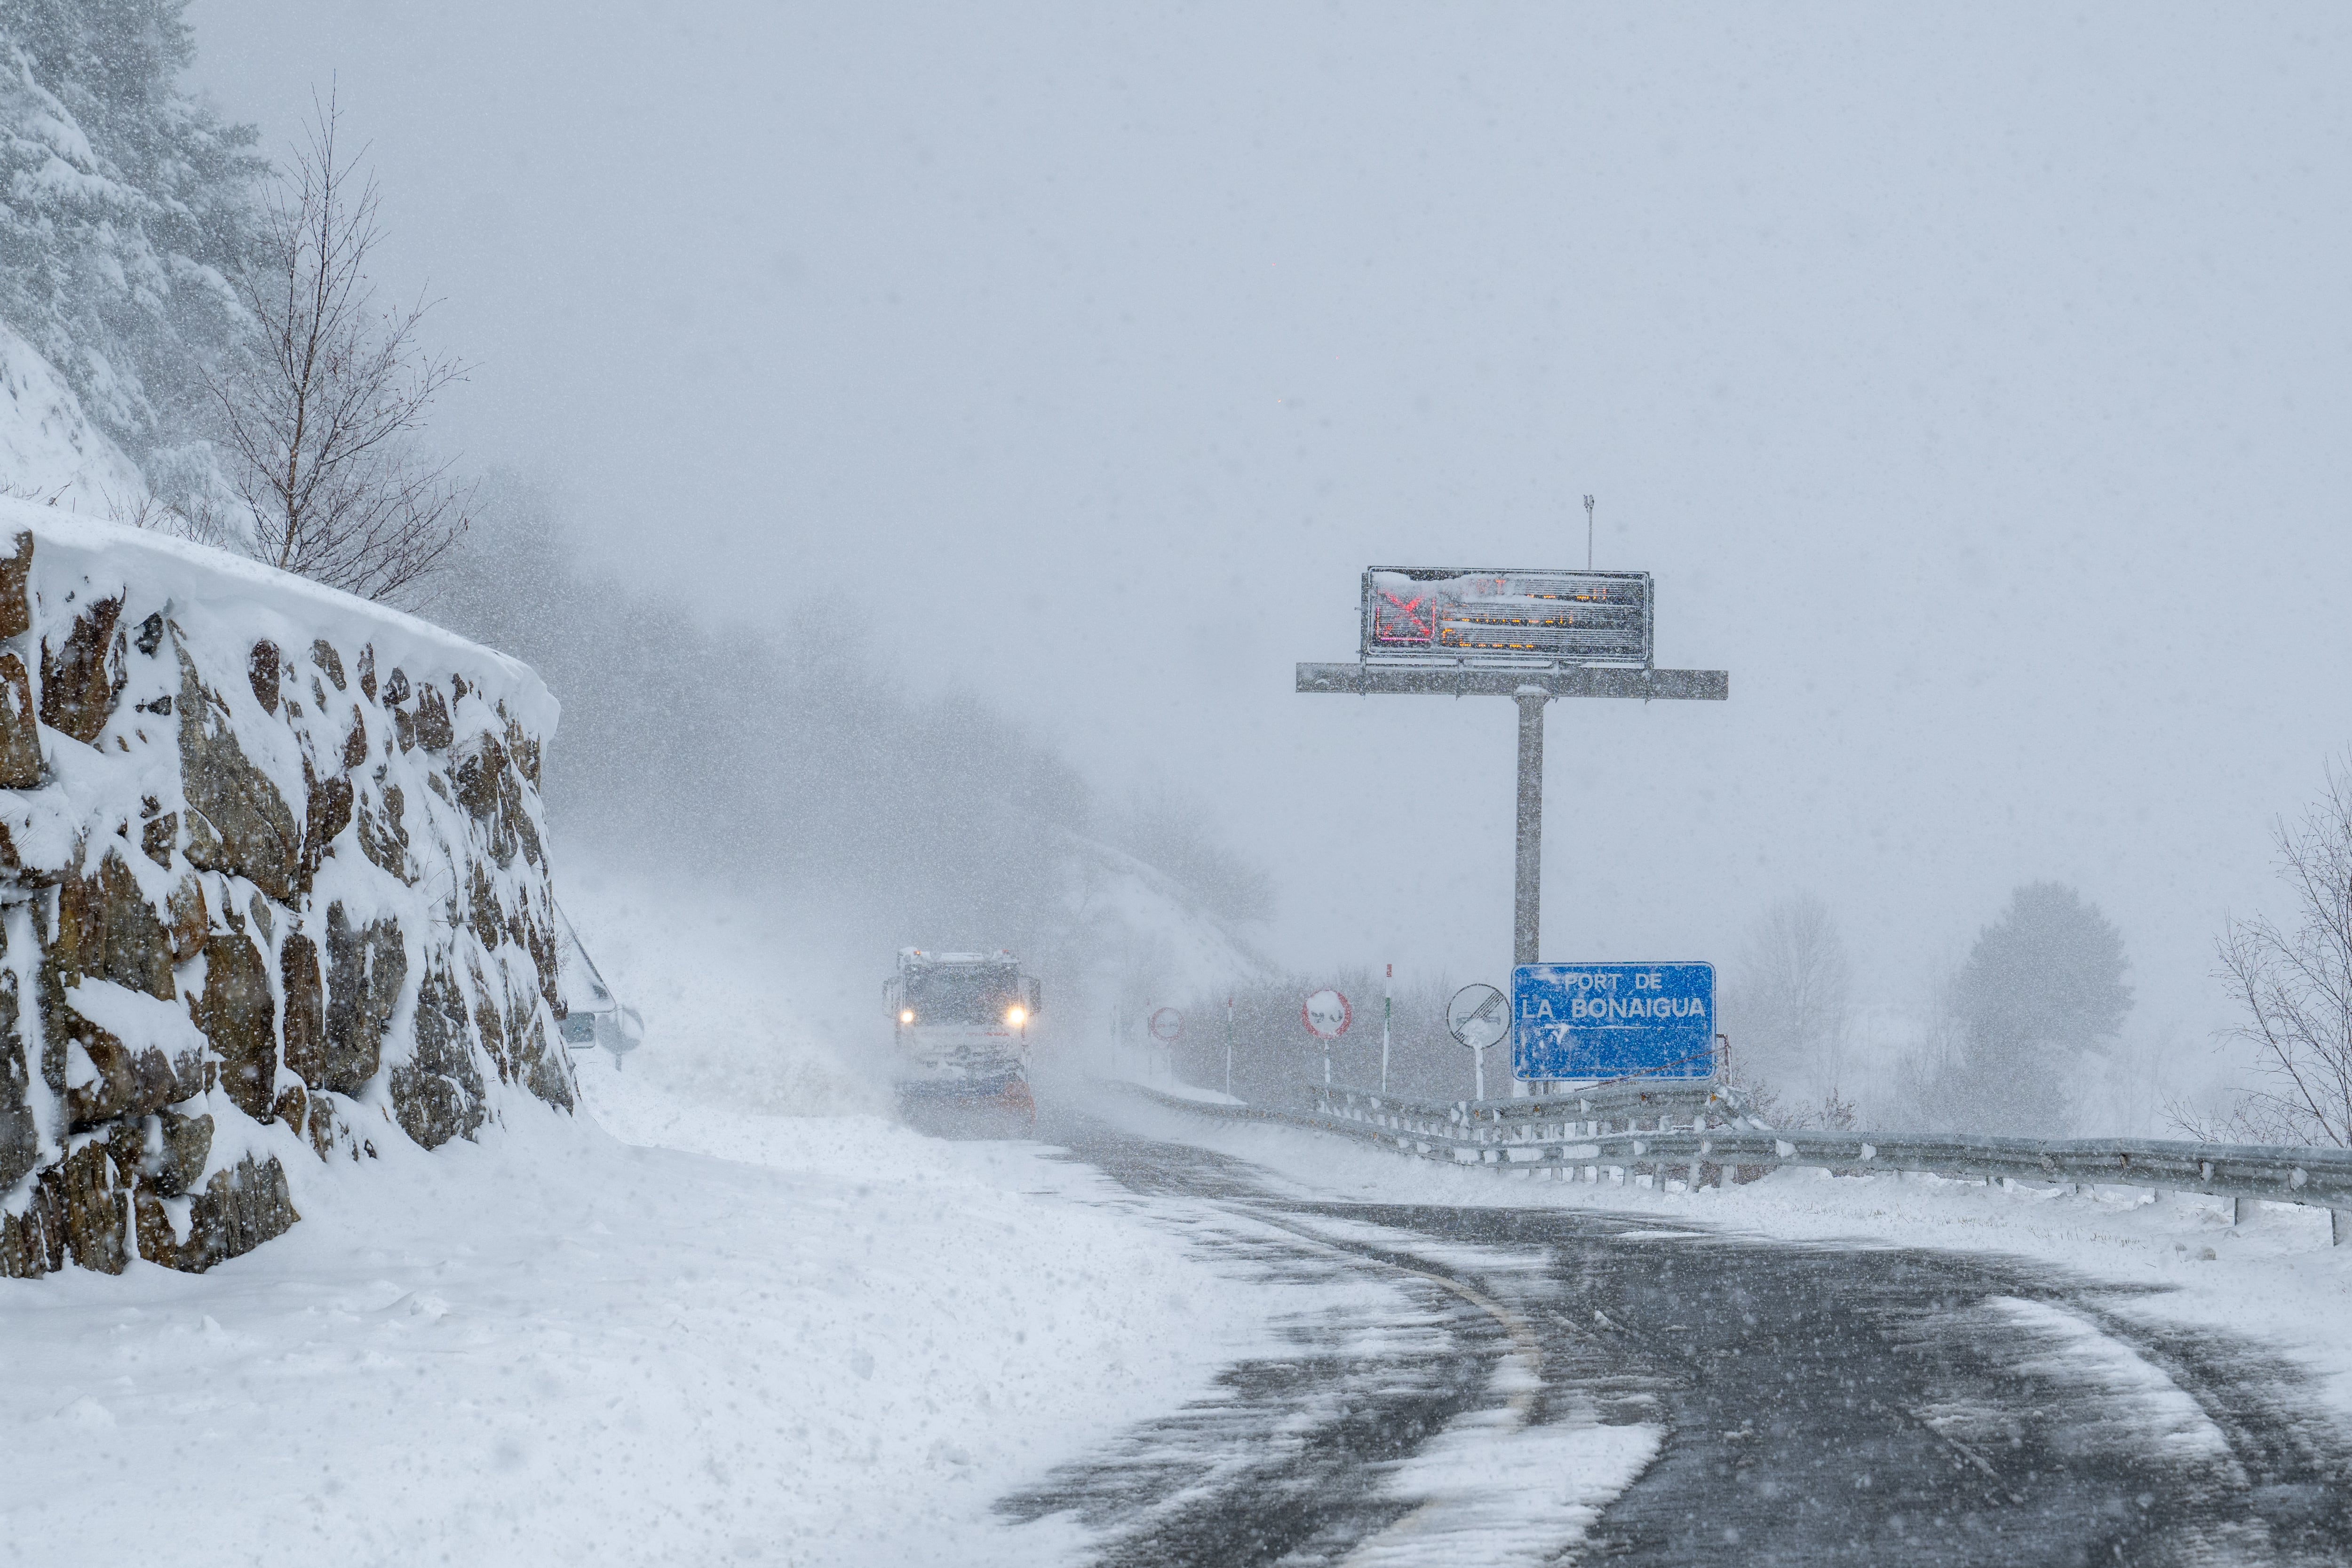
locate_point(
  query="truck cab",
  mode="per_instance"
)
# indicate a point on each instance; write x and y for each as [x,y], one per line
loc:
[961,1022]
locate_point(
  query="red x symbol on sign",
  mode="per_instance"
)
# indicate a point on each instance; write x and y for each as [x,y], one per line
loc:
[1419,623]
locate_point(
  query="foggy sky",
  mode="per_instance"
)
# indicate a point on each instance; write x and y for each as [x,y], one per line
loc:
[1974,385]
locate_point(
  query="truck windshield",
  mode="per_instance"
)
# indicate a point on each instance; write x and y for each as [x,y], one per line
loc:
[962,996]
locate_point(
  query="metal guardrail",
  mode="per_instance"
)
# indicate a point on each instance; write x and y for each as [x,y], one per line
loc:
[1693,1128]
[1602,1106]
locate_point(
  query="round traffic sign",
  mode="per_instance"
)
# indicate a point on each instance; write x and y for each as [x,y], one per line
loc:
[1478,1016]
[1166,1024]
[1326,1014]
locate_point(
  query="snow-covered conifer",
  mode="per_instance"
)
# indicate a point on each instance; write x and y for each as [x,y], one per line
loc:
[125,206]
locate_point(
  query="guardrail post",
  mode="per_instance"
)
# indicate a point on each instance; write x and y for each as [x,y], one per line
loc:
[2339,1226]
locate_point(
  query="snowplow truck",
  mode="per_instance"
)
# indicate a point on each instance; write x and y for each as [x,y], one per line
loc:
[961,1023]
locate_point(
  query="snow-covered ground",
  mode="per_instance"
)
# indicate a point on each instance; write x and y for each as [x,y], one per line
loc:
[688,1328]
[806,1341]
[2274,1278]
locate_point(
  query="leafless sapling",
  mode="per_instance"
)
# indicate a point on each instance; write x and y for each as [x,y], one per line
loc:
[320,419]
[2295,986]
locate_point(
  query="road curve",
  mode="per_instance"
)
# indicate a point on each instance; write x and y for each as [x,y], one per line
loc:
[1550,1385]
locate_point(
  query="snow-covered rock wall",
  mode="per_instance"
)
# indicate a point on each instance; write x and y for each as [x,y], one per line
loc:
[273,888]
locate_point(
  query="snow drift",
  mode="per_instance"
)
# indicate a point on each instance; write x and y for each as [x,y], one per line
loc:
[273,887]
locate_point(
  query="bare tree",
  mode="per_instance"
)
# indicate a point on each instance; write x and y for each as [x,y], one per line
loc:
[2297,986]
[1793,991]
[320,420]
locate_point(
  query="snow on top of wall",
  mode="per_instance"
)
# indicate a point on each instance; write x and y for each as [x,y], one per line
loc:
[48,444]
[245,599]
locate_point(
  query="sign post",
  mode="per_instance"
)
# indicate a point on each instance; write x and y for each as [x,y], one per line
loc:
[1530,635]
[1478,1017]
[1526,864]
[1327,1016]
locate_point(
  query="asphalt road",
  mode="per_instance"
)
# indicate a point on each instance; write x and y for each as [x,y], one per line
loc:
[1545,1386]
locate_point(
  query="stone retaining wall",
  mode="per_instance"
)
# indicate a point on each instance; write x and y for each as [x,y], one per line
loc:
[273,887]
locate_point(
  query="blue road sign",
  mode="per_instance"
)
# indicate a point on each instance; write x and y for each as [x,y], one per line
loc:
[1612,1020]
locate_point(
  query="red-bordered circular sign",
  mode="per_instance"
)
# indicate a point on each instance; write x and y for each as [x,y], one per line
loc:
[1326,1014]
[1166,1024]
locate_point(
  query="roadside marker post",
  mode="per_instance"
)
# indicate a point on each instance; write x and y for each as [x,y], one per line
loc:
[1532,635]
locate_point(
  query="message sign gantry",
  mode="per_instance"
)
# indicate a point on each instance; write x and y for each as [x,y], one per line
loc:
[1531,634]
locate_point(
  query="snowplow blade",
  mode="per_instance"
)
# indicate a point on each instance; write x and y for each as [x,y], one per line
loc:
[1000,1108]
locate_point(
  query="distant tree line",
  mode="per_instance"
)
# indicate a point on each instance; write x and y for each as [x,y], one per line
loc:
[2041,990]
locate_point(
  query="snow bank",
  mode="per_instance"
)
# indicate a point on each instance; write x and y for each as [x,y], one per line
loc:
[273,888]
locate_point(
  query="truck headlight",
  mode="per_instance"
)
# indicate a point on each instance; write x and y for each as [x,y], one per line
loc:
[1017,1016]
[905,1014]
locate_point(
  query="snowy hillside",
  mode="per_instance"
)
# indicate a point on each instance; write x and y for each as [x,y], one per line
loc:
[1144,936]
[49,447]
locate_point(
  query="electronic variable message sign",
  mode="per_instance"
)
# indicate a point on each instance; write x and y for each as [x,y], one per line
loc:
[1493,615]
[1612,1020]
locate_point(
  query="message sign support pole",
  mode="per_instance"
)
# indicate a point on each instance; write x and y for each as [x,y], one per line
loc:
[1532,686]
[1527,903]
[1387,985]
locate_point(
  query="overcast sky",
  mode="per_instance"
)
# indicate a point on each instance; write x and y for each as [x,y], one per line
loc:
[1974,385]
